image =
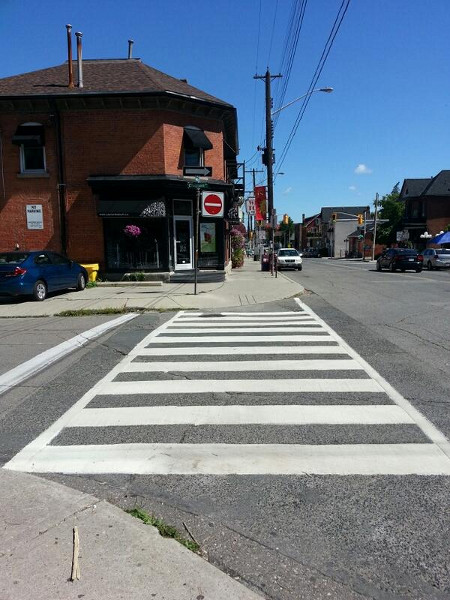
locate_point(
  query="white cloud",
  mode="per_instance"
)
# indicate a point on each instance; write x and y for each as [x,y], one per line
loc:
[352,188]
[362,169]
[287,191]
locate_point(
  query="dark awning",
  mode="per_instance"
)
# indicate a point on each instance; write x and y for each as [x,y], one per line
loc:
[29,135]
[197,138]
[131,208]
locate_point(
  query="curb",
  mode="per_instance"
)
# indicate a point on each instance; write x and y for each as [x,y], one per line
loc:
[15,376]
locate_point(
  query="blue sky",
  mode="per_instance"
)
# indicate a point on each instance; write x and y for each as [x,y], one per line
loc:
[389,67]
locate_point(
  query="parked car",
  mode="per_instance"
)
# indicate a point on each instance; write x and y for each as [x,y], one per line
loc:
[436,258]
[311,253]
[38,273]
[400,258]
[289,258]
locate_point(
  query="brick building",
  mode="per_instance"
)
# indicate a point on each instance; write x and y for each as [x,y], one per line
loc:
[80,164]
[427,206]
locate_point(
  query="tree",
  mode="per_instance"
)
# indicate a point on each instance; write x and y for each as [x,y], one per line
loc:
[393,210]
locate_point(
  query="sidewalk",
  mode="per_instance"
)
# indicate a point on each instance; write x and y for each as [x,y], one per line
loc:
[243,287]
[120,557]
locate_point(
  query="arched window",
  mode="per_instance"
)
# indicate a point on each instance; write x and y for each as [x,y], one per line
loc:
[30,138]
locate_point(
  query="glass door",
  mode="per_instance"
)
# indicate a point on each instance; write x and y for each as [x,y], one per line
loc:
[183,243]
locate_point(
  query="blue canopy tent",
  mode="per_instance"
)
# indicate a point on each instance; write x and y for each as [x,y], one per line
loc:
[442,238]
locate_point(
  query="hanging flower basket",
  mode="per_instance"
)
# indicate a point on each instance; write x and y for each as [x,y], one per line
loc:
[132,231]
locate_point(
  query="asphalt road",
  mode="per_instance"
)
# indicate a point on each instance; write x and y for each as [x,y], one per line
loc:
[288,536]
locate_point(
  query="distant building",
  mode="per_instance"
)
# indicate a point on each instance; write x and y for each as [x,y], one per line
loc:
[337,223]
[427,207]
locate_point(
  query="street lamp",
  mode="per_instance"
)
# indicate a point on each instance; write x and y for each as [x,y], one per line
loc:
[269,140]
[327,90]
[426,236]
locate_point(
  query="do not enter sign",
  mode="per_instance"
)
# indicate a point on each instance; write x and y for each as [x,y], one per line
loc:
[212,204]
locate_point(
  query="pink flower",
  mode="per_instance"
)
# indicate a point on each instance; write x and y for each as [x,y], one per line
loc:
[132,231]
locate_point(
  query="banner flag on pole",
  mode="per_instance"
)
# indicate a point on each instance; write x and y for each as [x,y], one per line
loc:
[260,203]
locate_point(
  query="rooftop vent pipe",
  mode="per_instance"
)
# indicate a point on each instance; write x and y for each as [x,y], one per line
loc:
[130,48]
[69,51]
[79,59]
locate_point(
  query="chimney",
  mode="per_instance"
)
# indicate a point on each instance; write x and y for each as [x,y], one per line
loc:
[79,59]
[130,48]
[303,218]
[69,51]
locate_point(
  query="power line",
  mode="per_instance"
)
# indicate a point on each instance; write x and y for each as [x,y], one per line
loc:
[326,51]
[290,49]
[273,29]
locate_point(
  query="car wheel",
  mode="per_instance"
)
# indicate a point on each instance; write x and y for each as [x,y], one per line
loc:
[402,270]
[300,267]
[429,266]
[391,267]
[39,290]
[81,282]
[378,266]
[418,270]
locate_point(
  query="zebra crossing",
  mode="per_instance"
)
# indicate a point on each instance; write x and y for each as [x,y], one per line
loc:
[240,393]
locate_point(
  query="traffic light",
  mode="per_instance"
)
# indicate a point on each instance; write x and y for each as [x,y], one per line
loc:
[285,219]
[360,219]
[333,217]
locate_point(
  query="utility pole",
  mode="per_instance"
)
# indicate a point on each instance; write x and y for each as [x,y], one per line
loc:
[375,227]
[268,152]
[364,238]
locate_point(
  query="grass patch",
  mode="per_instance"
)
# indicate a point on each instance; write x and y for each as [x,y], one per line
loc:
[164,529]
[91,284]
[87,312]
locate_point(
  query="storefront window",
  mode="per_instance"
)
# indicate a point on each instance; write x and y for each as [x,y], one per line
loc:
[135,244]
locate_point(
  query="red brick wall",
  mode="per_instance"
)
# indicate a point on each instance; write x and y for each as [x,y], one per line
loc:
[19,191]
[438,214]
[96,142]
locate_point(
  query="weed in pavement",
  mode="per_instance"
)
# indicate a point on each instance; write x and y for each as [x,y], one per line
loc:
[164,529]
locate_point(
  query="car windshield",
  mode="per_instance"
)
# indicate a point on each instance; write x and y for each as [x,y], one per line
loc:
[13,258]
[443,251]
[288,252]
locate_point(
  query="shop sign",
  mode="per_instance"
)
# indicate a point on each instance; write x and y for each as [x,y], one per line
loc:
[250,206]
[35,219]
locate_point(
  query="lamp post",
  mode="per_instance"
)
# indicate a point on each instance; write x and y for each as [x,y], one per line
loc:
[269,143]
[425,236]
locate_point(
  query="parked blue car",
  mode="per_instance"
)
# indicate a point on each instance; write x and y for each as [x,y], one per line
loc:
[38,273]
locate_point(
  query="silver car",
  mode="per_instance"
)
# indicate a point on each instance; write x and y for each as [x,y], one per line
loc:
[436,258]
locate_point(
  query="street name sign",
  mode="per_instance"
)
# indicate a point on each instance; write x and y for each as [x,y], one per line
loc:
[197,171]
[212,204]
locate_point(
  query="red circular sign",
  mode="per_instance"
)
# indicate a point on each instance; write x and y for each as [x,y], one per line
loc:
[212,204]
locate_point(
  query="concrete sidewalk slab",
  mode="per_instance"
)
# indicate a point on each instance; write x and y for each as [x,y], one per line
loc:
[120,557]
[243,287]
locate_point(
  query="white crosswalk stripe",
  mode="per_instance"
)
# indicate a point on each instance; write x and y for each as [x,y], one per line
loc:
[257,369]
